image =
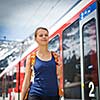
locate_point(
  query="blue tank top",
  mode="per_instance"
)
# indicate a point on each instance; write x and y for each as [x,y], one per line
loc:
[45,80]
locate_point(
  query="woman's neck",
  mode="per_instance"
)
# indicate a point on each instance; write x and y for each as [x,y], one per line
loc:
[43,50]
[44,54]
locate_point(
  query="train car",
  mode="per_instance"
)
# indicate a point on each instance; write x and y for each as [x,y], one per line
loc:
[75,37]
[79,47]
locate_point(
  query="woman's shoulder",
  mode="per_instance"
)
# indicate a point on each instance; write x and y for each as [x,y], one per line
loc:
[32,57]
[55,54]
[33,54]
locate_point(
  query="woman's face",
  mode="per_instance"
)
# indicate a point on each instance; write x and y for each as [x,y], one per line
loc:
[42,37]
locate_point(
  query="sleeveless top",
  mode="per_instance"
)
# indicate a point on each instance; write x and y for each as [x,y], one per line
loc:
[45,80]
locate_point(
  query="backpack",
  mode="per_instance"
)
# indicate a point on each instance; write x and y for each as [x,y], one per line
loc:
[33,56]
[32,62]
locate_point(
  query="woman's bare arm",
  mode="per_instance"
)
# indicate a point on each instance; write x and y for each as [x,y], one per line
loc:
[27,78]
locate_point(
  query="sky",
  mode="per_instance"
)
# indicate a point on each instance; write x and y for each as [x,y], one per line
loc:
[19,18]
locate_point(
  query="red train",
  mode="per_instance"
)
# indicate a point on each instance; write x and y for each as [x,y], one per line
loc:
[76,38]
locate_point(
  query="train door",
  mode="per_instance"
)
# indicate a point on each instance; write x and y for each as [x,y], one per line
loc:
[71,61]
[89,53]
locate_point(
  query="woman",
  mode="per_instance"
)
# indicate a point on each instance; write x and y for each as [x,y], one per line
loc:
[45,84]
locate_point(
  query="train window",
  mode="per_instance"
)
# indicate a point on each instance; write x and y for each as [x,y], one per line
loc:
[71,61]
[90,58]
[54,44]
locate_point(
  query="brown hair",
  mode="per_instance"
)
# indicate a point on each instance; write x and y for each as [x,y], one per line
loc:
[39,29]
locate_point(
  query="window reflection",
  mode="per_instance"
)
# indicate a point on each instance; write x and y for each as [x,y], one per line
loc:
[54,44]
[71,60]
[90,56]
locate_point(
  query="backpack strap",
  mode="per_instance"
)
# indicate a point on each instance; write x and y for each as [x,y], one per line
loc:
[32,62]
[55,56]
[32,58]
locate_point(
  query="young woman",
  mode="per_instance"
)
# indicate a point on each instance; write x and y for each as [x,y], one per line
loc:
[44,85]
